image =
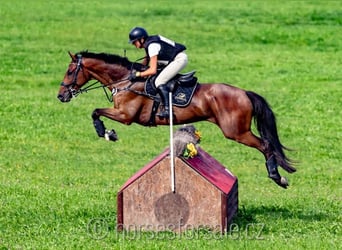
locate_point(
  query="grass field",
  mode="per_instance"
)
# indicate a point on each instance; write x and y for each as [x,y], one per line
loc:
[57,176]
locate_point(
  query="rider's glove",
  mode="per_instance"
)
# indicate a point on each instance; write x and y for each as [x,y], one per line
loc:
[134,75]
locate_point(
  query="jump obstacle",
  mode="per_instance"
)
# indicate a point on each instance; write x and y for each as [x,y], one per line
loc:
[205,195]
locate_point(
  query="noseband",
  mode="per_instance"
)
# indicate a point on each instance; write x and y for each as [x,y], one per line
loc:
[70,87]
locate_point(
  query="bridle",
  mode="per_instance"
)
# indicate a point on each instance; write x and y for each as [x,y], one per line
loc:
[75,92]
[71,87]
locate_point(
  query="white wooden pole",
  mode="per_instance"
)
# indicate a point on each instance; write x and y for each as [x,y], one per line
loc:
[172,163]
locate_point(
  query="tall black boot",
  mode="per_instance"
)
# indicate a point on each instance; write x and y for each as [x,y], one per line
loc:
[164,95]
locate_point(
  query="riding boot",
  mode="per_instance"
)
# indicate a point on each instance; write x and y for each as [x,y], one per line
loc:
[164,95]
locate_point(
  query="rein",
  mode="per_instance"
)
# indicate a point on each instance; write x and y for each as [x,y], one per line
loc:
[115,90]
[103,86]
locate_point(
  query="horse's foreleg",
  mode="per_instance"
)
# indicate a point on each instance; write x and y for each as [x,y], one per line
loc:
[100,128]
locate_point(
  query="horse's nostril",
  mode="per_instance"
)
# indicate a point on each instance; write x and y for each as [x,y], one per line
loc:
[61,98]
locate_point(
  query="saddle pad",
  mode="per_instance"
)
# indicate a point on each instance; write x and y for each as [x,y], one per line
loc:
[181,96]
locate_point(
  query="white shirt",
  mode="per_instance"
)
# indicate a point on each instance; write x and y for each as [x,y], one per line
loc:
[153,49]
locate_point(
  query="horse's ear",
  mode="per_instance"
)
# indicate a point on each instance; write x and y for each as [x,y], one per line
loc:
[73,57]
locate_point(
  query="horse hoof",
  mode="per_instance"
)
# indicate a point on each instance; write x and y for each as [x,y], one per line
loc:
[282,182]
[111,135]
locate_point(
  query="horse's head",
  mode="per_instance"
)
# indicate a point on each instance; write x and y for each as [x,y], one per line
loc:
[74,79]
[105,68]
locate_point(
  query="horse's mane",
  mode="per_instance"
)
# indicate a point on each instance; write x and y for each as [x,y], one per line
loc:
[113,59]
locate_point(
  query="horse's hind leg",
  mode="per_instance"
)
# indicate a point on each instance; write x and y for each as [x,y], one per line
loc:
[249,139]
[272,169]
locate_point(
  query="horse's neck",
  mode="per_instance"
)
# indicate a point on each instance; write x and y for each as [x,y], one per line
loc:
[123,84]
[137,86]
[109,73]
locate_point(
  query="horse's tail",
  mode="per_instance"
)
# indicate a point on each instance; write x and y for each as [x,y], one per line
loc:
[266,125]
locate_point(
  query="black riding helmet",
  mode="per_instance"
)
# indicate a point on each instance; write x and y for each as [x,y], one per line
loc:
[137,33]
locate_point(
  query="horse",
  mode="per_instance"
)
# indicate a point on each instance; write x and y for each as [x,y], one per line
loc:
[231,108]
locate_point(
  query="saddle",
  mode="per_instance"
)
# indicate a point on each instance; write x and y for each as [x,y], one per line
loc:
[182,86]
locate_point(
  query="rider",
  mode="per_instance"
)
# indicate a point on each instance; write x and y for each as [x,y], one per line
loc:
[162,53]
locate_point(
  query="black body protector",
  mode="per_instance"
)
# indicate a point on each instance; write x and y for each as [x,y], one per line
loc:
[168,51]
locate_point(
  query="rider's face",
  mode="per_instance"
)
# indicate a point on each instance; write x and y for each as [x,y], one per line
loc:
[138,44]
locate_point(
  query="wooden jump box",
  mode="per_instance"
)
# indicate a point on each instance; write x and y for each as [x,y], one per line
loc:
[206,196]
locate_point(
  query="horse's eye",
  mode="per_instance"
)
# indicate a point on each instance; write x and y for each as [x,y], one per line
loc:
[69,72]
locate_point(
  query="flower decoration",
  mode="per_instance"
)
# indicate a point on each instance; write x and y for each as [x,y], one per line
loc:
[198,136]
[186,140]
[190,150]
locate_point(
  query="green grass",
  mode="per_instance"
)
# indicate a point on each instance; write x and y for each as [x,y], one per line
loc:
[56,175]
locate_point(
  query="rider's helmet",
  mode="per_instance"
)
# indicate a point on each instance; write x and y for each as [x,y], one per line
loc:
[137,33]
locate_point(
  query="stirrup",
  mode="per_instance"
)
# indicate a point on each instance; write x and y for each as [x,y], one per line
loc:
[163,114]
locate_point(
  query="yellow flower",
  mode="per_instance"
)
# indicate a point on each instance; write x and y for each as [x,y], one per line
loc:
[191,150]
[198,135]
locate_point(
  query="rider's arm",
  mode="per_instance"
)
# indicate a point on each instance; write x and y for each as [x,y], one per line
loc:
[152,69]
[153,52]
[145,60]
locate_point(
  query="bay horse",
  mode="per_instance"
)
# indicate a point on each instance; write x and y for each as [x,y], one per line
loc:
[232,109]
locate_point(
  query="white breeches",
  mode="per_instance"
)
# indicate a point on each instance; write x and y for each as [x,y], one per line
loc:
[172,69]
